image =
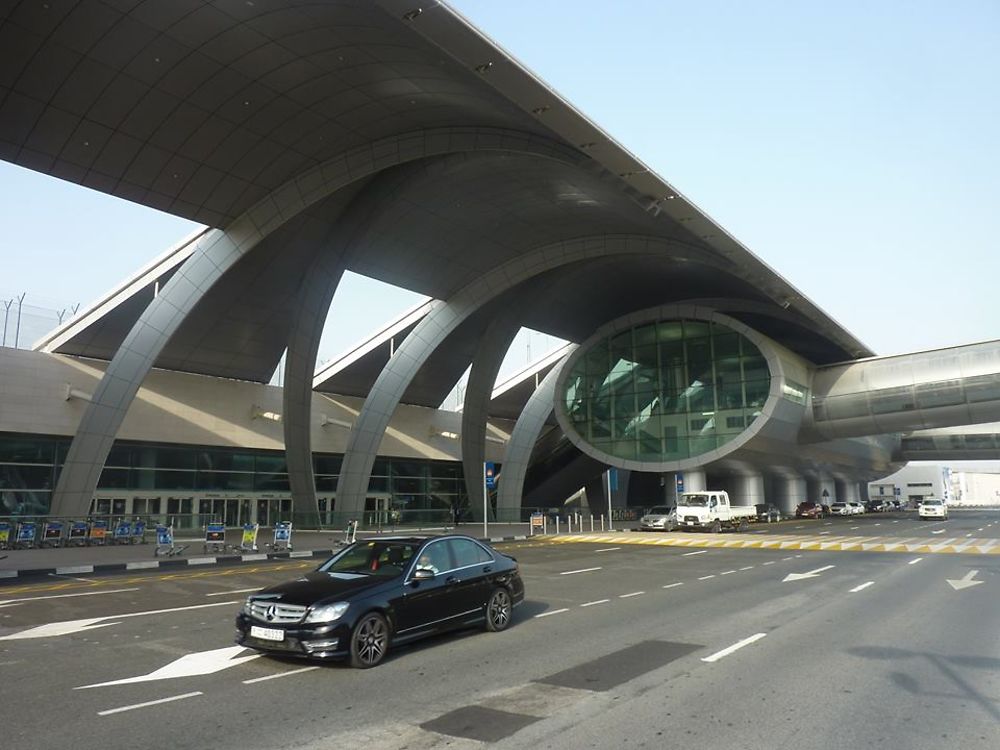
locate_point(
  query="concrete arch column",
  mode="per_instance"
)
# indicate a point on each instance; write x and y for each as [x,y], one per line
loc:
[749,489]
[694,480]
[791,491]
[489,356]
[436,326]
[217,251]
[522,440]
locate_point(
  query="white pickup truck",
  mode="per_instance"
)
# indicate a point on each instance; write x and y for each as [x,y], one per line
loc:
[710,511]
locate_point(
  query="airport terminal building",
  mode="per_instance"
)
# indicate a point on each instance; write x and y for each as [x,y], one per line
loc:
[400,143]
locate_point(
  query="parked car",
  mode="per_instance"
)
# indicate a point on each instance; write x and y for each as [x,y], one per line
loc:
[841,509]
[768,512]
[856,507]
[660,518]
[809,509]
[876,506]
[933,508]
[379,593]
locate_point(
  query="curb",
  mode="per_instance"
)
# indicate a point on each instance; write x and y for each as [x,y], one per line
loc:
[187,562]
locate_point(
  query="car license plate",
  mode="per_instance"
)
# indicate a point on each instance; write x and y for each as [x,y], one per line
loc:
[267,634]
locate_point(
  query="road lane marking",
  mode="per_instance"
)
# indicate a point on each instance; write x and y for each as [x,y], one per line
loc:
[770,562]
[582,570]
[854,528]
[862,587]
[599,601]
[553,612]
[939,531]
[698,552]
[726,572]
[634,593]
[914,561]
[607,549]
[748,567]
[233,591]
[280,674]
[69,627]
[705,578]
[810,574]
[735,647]
[13,602]
[965,581]
[674,585]
[190,665]
[148,703]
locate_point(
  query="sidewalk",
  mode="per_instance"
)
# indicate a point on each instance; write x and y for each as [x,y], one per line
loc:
[16,565]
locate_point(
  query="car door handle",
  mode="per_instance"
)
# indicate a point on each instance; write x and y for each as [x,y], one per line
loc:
[488,569]
[452,579]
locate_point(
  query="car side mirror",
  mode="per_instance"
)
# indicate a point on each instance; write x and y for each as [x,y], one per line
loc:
[423,574]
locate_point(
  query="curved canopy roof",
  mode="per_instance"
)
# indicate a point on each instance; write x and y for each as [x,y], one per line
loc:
[202,108]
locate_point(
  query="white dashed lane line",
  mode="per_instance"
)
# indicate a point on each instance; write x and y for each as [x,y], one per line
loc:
[233,591]
[599,601]
[553,612]
[914,561]
[698,552]
[735,647]
[582,570]
[674,585]
[607,549]
[628,596]
[862,587]
[280,674]
[705,578]
[726,572]
[148,703]
[748,567]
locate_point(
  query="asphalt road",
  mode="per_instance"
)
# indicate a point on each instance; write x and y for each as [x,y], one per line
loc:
[615,646]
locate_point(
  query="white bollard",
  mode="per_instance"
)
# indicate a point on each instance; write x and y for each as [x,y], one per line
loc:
[545,524]
[557,525]
[591,523]
[569,524]
[602,522]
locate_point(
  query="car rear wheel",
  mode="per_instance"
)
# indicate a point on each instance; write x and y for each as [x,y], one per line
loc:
[744,525]
[498,610]
[716,527]
[369,641]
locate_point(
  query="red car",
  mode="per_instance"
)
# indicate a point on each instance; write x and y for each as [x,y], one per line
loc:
[809,509]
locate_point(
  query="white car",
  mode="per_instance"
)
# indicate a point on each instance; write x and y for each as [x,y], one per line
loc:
[933,508]
[856,508]
[840,509]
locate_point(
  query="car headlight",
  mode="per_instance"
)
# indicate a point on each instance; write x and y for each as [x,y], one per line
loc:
[246,606]
[327,613]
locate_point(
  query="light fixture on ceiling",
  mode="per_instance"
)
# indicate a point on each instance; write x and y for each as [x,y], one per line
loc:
[259,412]
[412,14]
[540,110]
[485,67]
[324,420]
[669,197]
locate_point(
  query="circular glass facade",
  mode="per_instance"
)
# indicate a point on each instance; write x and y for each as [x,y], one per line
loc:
[666,391]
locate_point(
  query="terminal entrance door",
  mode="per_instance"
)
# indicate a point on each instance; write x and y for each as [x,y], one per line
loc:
[377,511]
[270,510]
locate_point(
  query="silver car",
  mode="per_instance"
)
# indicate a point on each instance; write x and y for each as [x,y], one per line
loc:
[661,518]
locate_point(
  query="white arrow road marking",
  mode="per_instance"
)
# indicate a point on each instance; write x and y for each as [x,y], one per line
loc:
[965,581]
[189,665]
[15,602]
[69,627]
[810,574]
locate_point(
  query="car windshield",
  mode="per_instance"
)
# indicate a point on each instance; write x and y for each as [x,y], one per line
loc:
[661,510]
[697,501]
[381,558]
[931,502]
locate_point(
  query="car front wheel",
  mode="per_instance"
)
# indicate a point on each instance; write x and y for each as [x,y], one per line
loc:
[369,641]
[498,610]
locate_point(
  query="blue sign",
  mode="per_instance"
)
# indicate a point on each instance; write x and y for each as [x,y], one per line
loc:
[613,479]
[491,476]
[680,481]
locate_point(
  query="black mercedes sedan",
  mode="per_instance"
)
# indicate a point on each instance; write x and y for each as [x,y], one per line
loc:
[377,593]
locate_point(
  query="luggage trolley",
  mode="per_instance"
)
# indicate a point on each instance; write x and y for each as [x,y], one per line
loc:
[26,533]
[98,533]
[138,532]
[165,542]
[52,534]
[282,536]
[122,533]
[4,535]
[215,537]
[249,541]
[78,532]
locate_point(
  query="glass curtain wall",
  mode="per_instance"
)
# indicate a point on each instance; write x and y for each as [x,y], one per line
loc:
[666,391]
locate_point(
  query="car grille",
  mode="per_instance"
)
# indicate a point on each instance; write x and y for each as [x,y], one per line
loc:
[273,612]
[690,519]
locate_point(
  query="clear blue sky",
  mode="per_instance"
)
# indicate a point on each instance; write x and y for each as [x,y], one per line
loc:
[854,146]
